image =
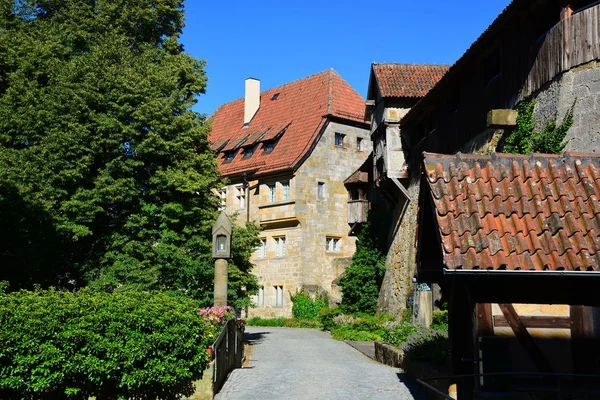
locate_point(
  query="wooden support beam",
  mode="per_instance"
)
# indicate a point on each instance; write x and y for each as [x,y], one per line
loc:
[485,327]
[520,330]
[582,339]
[537,322]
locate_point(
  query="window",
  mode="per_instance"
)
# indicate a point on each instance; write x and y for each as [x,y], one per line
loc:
[223,199]
[248,152]
[278,296]
[285,186]
[229,156]
[359,144]
[260,297]
[275,96]
[241,196]
[280,246]
[320,190]
[271,187]
[261,250]
[269,147]
[339,139]
[332,244]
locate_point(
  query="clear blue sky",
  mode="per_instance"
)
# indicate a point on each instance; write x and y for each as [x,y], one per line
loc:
[281,41]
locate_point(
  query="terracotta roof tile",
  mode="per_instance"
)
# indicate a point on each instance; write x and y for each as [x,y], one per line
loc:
[302,106]
[407,80]
[505,211]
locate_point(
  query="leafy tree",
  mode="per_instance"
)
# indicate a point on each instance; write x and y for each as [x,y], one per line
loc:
[362,279]
[105,171]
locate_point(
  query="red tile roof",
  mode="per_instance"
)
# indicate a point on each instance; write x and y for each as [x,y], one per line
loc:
[505,211]
[301,109]
[407,80]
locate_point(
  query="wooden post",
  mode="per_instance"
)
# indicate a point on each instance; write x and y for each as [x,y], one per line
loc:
[582,337]
[220,288]
[461,335]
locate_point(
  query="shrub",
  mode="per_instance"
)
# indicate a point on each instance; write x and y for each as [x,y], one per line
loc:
[326,316]
[284,322]
[440,320]
[347,333]
[112,346]
[427,344]
[304,307]
[399,332]
[362,279]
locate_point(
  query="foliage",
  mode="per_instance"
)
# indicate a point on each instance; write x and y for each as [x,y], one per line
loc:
[345,333]
[105,170]
[241,282]
[126,345]
[362,279]
[284,322]
[326,316]
[360,327]
[304,307]
[397,334]
[525,140]
[427,344]
[440,320]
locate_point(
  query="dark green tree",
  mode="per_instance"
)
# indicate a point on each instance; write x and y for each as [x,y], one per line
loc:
[362,279]
[105,171]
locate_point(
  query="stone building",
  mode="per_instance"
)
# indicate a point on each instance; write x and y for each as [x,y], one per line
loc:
[286,153]
[393,90]
[546,52]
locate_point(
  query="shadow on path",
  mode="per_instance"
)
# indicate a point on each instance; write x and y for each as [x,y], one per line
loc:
[254,337]
[416,390]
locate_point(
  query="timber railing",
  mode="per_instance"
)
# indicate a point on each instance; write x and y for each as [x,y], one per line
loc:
[229,352]
[571,42]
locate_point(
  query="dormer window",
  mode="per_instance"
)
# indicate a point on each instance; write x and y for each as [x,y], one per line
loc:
[269,147]
[248,152]
[229,155]
[275,96]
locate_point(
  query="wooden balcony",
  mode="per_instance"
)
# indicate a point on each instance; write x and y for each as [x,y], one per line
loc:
[357,211]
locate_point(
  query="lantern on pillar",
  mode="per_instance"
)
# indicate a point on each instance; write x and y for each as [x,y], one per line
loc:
[221,252]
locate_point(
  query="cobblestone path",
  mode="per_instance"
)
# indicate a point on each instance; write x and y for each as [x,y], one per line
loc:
[307,364]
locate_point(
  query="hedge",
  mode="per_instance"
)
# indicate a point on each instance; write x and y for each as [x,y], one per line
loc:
[125,345]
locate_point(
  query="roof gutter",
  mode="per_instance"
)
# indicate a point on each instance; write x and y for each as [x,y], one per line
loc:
[481,272]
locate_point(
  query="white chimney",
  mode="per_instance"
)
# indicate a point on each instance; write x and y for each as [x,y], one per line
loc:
[252,99]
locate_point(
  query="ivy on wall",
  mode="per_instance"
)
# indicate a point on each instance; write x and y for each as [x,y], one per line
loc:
[524,139]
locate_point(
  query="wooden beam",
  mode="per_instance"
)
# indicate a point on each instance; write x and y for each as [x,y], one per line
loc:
[485,327]
[545,322]
[582,338]
[520,330]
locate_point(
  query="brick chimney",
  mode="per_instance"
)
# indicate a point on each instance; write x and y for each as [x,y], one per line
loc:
[252,99]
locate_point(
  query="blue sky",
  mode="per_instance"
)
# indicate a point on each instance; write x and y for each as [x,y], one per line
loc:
[281,41]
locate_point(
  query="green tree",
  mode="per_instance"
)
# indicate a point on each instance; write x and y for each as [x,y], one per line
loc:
[362,279]
[105,171]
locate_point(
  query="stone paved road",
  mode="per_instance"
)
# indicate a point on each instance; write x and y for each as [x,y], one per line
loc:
[307,364]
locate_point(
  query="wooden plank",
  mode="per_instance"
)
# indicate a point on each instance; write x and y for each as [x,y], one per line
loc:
[520,330]
[543,322]
[582,338]
[485,327]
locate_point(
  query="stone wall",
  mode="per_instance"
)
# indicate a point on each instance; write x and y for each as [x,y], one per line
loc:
[581,86]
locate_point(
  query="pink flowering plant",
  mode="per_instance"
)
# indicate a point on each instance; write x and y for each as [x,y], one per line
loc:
[218,316]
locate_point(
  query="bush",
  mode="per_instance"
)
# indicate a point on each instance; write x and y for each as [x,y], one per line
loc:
[284,322]
[362,279]
[427,344]
[125,345]
[348,333]
[326,316]
[304,307]
[440,320]
[398,333]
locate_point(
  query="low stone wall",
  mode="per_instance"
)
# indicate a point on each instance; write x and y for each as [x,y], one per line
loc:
[394,357]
